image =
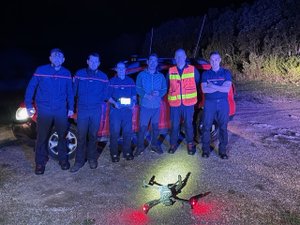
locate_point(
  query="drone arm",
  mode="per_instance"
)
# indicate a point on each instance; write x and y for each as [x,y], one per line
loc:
[179,179]
[150,204]
[153,202]
[182,183]
[145,185]
[186,178]
[183,201]
[158,184]
[201,195]
[179,185]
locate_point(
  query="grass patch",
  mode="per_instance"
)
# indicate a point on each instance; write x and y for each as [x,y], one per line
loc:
[89,221]
[290,218]
[4,174]
[86,221]
[2,220]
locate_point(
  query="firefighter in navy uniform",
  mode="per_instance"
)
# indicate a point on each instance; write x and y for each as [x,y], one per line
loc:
[216,84]
[183,80]
[122,96]
[90,87]
[51,87]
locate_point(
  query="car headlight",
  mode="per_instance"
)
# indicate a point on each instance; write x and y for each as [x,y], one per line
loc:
[22,114]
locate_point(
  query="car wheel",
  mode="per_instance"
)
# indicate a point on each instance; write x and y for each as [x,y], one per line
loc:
[72,142]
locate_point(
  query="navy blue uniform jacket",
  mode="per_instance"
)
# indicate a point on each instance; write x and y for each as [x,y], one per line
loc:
[90,88]
[52,89]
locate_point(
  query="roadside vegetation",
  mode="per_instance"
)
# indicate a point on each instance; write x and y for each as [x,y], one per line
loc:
[259,41]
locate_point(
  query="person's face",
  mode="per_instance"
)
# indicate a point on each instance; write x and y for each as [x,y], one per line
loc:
[215,61]
[180,58]
[121,70]
[57,59]
[93,62]
[152,63]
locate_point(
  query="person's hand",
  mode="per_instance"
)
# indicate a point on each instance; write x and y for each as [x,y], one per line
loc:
[209,84]
[30,112]
[132,105]
[117,105]
[70,113]
[155,93]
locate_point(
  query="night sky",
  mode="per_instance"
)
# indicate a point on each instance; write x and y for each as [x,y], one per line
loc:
[79,27]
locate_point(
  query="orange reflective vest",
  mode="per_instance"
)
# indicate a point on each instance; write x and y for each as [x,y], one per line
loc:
[182,89]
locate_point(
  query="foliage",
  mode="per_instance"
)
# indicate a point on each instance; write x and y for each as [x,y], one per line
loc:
[260,41]
[291,218]
[172,35]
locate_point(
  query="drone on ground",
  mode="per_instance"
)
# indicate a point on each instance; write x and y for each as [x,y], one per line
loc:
[169,192]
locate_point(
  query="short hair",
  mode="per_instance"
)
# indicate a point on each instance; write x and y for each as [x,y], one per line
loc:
[180,50]
[120,62]
[56,50]
[95,54]
[214,53]
[153,55]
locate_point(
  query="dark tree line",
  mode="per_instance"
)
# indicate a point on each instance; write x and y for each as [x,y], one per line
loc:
[260,41]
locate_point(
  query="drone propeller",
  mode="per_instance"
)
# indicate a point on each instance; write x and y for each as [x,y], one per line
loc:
[152,181]
[180,184]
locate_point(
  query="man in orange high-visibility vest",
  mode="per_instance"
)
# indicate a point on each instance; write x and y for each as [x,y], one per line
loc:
[183,81]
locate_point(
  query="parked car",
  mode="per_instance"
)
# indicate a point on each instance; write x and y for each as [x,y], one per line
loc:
[24,127]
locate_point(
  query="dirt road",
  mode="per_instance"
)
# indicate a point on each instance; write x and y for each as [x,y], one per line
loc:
[258,184]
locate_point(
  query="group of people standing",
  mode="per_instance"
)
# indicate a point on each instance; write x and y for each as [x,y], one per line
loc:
[54,91]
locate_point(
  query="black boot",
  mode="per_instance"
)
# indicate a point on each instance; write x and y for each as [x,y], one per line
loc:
[191,148]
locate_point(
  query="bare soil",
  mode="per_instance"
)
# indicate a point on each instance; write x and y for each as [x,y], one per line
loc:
[258,184]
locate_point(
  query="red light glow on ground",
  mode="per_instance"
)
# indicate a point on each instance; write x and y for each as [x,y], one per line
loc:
[208,211]
[201,208]
[134,217]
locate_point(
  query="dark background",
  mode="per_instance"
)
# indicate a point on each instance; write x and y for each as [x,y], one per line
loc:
[115,29]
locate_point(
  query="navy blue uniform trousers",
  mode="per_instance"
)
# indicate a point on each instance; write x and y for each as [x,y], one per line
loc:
[186,113]
[120,119]
[88,123]
[45,121]
[217,109]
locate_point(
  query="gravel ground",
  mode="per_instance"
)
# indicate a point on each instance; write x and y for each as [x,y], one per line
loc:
[258,184]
